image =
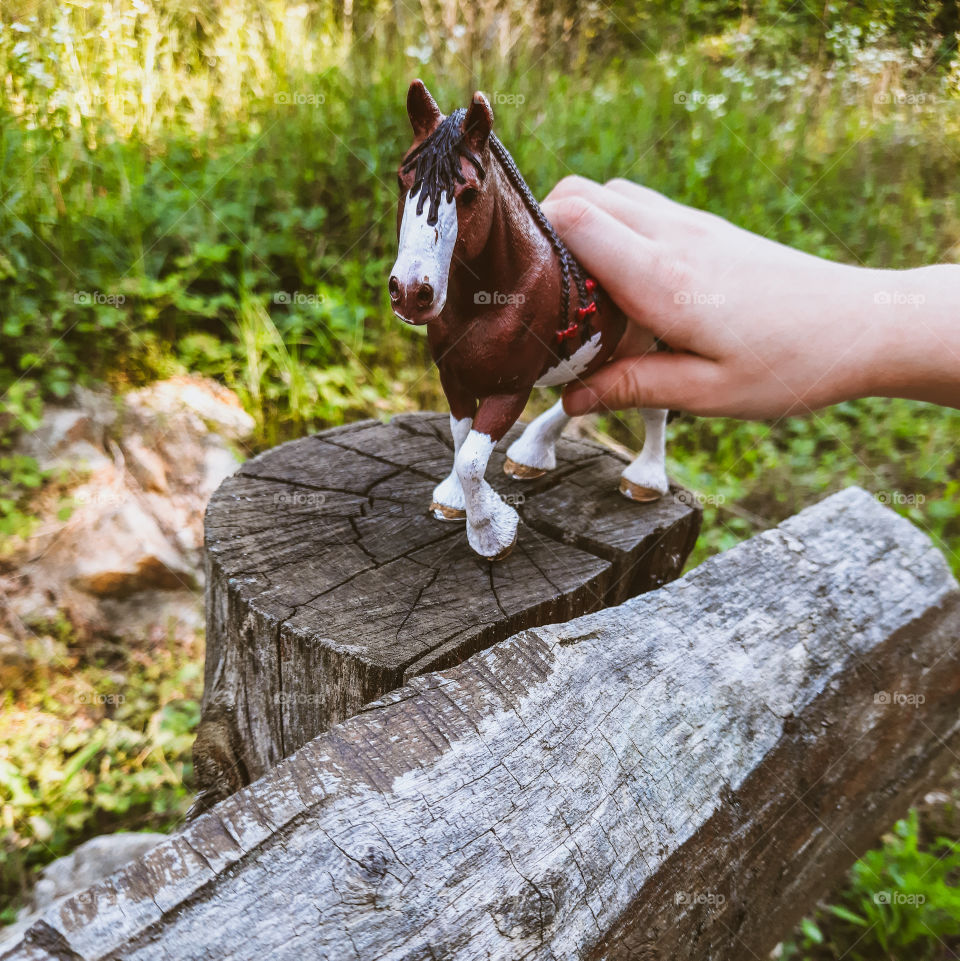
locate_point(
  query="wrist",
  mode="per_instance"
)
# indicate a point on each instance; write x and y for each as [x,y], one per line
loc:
[916,347]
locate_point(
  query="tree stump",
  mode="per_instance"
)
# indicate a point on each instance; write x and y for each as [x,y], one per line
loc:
[329,584]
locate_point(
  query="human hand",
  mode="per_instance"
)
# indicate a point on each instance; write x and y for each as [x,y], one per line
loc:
[759,329]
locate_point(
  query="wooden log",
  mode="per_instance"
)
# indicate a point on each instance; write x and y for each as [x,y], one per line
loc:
[680,778]
[328,584]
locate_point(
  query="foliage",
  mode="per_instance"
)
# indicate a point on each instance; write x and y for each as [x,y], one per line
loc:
[90,744]
[902,901]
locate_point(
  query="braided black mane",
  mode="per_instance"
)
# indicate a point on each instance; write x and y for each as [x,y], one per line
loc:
[437,162]
[568,263]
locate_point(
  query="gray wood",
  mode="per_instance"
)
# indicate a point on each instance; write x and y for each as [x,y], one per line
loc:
[680,777]
[328,584]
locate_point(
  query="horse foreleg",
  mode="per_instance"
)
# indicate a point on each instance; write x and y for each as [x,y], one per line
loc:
[491,524]
[448,502]
[646,478]
[533,453]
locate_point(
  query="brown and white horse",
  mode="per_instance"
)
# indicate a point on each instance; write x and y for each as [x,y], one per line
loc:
[481,266]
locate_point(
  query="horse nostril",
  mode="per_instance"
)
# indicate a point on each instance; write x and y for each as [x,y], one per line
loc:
[424,295]
[394,287]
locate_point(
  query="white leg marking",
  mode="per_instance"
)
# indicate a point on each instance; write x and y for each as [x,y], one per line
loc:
[491,524]
[536,446]
[449,492]
[646,477]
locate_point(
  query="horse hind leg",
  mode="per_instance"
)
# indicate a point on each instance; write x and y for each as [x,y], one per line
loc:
[533,453]
[646,478]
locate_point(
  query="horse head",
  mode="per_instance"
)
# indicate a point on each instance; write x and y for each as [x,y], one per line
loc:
[446,201]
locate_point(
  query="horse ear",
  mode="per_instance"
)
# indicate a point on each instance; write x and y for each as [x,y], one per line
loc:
[478,123]
[422,110]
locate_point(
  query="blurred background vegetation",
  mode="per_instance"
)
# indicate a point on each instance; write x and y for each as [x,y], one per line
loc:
[210,186]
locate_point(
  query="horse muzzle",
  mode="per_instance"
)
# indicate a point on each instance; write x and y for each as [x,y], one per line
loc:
[415,301]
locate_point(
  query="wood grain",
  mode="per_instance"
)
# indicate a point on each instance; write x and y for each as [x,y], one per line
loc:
[679,777]
[328,584]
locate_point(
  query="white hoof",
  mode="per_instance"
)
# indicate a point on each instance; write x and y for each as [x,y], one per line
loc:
[530,456]
[634,492]
[494,536]
[448,503]
[644,482]
[520,471]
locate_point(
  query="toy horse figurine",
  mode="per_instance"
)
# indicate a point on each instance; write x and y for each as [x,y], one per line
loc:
[481,266]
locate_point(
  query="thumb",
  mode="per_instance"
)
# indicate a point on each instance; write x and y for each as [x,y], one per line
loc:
[675,381]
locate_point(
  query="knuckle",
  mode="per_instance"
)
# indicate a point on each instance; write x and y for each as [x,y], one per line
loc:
[634,388]
[571,214]
[571,184]
[672,272]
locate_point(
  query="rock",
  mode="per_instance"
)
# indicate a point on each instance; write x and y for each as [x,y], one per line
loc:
[145,464]
[126,552]
[198,398]
[137,472]
[93,861]
[68,439]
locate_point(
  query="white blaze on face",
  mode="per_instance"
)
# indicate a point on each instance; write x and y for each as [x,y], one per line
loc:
[426,250]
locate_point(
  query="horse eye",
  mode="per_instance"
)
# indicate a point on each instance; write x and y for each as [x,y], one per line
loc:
[469,195]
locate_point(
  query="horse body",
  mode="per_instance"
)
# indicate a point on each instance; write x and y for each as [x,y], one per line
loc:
[481,267]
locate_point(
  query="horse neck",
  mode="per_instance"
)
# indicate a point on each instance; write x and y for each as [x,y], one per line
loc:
[515,243]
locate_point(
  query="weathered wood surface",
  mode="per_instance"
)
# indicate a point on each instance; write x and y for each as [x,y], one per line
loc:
[328,584]
[678,778]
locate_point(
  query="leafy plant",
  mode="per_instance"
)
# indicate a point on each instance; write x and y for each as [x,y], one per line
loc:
[902,901]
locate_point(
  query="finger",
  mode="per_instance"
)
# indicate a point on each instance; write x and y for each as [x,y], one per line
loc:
[635,342]
[674,381]
[571,186]
[610,250]
[646,217]
[647,197]
[629,266]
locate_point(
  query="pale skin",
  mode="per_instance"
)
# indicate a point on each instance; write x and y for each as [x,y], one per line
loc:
[759,330]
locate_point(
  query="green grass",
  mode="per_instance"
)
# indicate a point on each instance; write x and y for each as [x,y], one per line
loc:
[92,742]
[902,900]
[212,188]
